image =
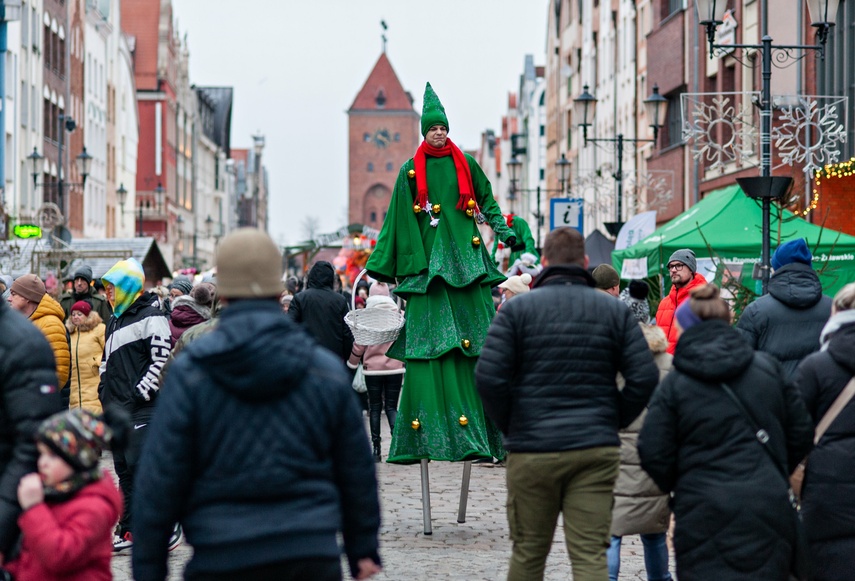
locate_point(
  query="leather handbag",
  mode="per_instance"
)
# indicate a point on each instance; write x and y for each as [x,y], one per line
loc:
[798,476]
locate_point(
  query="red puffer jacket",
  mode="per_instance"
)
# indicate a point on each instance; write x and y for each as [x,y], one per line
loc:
[71,540]
[668,306]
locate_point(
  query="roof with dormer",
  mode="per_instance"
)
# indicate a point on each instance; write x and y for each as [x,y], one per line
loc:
[382,83]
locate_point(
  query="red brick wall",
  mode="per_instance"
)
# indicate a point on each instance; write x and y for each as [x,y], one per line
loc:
[665,65]
[836,204]
[670,160]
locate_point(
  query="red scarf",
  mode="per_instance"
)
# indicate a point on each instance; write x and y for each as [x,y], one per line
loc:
[461,166]
[510,220]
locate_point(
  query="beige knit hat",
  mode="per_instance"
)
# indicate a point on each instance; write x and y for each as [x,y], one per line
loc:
[29,286]
[517,284]
[249,265]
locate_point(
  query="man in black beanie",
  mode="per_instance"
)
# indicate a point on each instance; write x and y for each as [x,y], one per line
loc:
[82,290]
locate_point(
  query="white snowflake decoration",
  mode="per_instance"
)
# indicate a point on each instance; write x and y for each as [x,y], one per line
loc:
[658,185]
[810,131]
[702,123]
[598,191]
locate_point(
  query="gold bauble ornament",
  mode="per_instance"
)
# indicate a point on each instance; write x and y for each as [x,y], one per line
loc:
[466,343]
[416,424]
[463,420]
[436,208]
[470,204]
[411,174]
[476,241]
[470,212]
[417,209]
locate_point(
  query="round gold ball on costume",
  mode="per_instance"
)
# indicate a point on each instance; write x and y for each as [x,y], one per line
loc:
[470,204]
[416,424]
[470,212]
[466,343]
[463,420]
[411,174]
[476,241]
[436,208]
[416,208]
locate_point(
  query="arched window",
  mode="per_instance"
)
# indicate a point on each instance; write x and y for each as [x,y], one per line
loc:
[370,166]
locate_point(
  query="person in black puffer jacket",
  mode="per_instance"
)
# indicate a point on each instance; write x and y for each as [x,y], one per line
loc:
[28,395]
[828,490]
[547,377]
[786,322]
[731,502]
[321,310]
[257,444]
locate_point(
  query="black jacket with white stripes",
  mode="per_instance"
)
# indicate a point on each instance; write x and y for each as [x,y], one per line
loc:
[136,347]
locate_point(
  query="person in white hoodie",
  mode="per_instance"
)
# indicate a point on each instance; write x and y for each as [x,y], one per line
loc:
[383,375]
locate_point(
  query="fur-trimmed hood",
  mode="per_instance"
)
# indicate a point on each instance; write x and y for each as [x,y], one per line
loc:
[188,301]
[92,321]
[655,337]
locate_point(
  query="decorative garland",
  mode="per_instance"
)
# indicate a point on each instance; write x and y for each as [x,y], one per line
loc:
[843,169]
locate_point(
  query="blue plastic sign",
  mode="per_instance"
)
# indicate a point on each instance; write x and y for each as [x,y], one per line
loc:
[567,212]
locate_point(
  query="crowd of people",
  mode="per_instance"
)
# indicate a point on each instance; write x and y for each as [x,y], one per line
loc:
[230,407]
[193,438]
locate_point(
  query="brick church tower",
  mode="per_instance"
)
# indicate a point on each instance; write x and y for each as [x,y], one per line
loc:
[383,134]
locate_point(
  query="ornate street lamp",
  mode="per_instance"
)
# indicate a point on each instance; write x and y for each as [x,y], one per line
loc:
[562,167]
[584,107]
[823,14]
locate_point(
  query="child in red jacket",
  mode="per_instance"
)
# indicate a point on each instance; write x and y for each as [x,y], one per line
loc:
[70,506]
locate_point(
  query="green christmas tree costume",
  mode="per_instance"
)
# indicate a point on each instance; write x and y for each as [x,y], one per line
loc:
[523,234]
[445,276]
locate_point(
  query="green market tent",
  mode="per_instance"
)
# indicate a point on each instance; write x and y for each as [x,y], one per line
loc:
[730,223]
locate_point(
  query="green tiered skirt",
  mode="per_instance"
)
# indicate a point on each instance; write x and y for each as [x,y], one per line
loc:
[440,414]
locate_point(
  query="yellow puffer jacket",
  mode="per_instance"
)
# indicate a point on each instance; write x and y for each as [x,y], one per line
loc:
[87,346]
[48,317]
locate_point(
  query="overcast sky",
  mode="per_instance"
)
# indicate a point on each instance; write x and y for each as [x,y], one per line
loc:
[297,65]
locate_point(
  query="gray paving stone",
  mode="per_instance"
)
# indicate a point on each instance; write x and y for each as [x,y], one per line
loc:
[478,549]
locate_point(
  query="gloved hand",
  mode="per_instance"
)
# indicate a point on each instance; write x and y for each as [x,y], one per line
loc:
[512,243]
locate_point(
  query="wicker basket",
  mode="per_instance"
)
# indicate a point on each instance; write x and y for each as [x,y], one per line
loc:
[372,326]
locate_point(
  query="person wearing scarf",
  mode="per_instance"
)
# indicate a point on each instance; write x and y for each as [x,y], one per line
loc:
[70,506]
[431,246]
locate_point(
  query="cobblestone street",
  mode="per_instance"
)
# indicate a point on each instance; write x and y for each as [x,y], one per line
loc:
[477,550]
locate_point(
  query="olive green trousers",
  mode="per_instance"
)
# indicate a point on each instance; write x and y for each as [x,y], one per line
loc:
[579,485]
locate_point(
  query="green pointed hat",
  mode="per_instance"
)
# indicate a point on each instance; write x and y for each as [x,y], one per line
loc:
[433,113]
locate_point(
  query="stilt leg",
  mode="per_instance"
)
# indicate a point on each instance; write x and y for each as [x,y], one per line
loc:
[426,497]
[464,492]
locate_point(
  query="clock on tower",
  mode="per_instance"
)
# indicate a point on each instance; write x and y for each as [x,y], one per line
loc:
[381,138]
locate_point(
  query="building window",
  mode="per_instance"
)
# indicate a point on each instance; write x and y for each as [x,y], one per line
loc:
[370,166]
[673,121]
[397,137]
[25,102]
[366,137]
[670,7]
[373,217]
[47,120]
[390,167]
[47,45]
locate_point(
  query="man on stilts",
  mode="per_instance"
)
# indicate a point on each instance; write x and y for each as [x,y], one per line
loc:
[430,245]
